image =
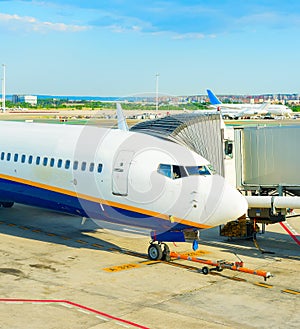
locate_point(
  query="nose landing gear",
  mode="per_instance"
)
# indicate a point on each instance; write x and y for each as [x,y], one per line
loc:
[159,251]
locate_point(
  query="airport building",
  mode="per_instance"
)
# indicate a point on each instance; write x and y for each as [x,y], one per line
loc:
[30,99]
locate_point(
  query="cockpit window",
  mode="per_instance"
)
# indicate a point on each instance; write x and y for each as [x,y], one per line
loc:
[197,170]
[172,171]
[175,172]
[165,170]
[178,172]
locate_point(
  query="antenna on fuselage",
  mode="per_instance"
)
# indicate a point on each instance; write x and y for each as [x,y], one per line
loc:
[122,124]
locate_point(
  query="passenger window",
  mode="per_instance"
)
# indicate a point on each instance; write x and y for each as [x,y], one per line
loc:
[30,159]
[92,166]
[67,165]
[38,160]
[75,165]
[45,161]
[99,170]
[83,166]
[52,162]
[16,157]
[2,155]
[59,163]
[165,170]
[23,158]
[8,156]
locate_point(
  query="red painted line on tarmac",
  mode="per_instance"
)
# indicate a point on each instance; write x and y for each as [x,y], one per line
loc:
[293,236]
[12,300]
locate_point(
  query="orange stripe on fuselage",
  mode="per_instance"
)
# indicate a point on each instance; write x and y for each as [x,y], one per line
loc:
[102,201]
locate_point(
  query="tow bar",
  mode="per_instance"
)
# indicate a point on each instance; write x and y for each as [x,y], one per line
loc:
[219,265]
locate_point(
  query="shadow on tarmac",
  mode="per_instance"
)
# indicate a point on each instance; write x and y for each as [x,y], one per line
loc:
[272,245]
[53,227]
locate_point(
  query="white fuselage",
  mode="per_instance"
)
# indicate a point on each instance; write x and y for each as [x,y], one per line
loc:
[112,175]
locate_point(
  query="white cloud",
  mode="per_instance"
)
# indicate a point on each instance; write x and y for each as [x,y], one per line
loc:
[27,23]
[180,36]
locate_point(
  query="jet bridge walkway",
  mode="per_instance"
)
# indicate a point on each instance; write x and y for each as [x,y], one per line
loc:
[200,132]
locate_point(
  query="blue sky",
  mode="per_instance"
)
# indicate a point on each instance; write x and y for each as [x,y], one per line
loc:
[115,48]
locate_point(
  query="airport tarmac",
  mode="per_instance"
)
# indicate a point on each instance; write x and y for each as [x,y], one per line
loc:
[57,273]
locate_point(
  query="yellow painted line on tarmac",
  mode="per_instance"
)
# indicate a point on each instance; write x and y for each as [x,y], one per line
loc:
[113,249]
[264,285]
[130,266]
[290,291]
[11,224]
[119,268]
[81,241]
[65,238]
[24,228]
[97,245]
[196,253]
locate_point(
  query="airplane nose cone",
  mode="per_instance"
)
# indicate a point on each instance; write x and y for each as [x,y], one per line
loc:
[226,203]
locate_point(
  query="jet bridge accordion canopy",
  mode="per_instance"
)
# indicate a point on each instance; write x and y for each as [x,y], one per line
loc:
[199,132]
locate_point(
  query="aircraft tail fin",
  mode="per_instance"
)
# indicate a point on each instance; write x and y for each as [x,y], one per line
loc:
[214,100]
[122,124]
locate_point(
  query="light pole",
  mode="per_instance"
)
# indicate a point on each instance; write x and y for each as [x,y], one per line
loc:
[157,75]
[3,89]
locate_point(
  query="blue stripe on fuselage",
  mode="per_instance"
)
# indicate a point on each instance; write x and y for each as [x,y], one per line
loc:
[44,198]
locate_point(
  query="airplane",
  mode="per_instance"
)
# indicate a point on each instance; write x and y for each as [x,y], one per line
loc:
[116,176]
[235,111]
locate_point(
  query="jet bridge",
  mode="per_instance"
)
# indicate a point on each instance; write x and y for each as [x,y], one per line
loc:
[262,161]
[199,132]
[267,159]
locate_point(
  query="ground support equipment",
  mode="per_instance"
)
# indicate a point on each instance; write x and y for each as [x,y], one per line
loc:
[220,265]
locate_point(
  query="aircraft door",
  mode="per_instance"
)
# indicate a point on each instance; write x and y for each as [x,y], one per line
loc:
[120,172]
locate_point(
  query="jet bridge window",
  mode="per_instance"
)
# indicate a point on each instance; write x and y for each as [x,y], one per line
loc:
[228,148]
[197,170]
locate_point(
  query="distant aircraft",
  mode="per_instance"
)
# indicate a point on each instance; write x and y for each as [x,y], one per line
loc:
[235,111]
[117,176]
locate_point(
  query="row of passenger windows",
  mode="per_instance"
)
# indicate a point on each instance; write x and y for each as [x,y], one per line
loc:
[52,162]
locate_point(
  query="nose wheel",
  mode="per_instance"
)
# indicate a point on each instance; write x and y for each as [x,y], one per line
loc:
[159,251]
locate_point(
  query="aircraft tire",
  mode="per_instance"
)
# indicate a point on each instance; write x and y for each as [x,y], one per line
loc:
[166,253]
[155,252]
